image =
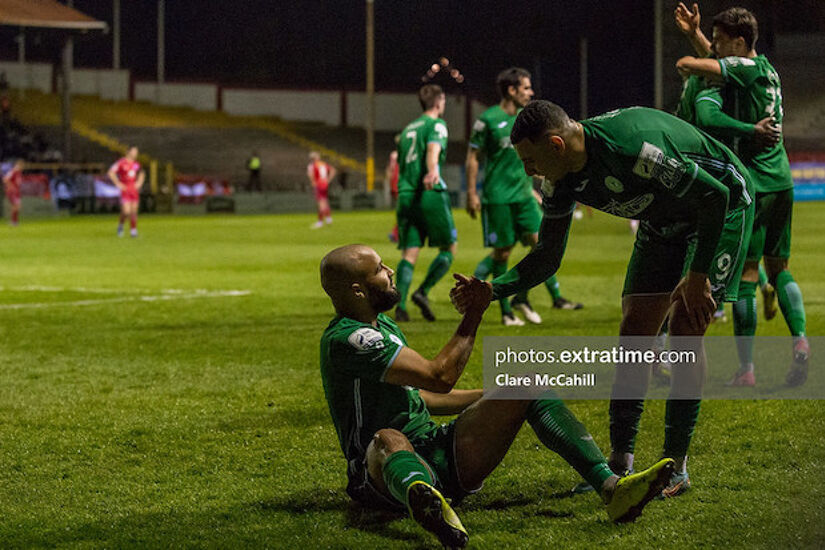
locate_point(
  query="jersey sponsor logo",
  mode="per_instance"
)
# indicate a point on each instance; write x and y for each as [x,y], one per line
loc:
[503,123]
[652,163]
[613,184]
[366,338]
[478,126]
[441,130]
[628,209]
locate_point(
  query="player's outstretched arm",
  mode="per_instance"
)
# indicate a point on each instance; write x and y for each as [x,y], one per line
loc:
[440,374]
[542,262]
[711,117]
[688,21]
[450,403]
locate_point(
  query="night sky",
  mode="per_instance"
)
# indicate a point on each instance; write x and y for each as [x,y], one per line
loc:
[321,44]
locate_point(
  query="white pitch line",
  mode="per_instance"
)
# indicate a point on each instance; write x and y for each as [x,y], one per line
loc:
[82,289]
[155,298]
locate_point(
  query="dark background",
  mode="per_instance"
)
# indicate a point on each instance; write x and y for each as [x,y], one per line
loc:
[321,44]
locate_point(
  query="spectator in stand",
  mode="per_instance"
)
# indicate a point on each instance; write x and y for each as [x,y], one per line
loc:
[253,164]
[128,176]
[11,182]
[320,174]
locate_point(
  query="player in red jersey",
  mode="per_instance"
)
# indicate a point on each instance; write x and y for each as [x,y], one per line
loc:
[320,174]
[128,176]
[11,182]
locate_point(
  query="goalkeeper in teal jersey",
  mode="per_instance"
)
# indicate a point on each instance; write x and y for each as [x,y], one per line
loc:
[752,97]
[509,206]
[381,392]
[423,208]
[694,202]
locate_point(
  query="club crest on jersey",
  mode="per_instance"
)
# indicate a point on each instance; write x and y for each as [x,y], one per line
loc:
[366,338]
[630,208]
[613,184]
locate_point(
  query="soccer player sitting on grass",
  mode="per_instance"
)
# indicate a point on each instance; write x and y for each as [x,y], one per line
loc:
[381,393]
[694,202]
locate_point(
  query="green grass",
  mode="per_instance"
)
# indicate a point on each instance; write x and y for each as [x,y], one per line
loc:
[200,421]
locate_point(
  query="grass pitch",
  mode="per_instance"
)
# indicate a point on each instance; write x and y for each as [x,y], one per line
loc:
[164,392]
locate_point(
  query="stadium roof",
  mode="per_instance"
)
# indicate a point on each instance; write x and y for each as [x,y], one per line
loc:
[46,14]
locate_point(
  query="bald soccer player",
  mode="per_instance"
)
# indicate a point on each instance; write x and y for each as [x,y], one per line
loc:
[381,393]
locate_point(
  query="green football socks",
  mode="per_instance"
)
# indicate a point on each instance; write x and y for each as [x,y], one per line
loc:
[744,322]
[561,432]
[500,268]
[484,268]
[553,287]
[438,268]
[680,421]
[790,302]
[400,470]
[403,280]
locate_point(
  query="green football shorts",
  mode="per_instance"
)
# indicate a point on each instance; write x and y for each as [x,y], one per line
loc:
[771,234]
[425,216]
[662,254]
[505,224]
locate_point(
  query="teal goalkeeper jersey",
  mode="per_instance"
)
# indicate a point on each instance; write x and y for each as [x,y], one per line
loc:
[412,152]
[355,357]
[752,92]
[505,181]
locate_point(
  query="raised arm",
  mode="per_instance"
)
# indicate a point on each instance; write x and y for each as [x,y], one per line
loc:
[701,66]
[440,374]
[688,21]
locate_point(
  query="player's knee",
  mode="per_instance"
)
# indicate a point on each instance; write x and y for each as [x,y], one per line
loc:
[387,441]
[501,254]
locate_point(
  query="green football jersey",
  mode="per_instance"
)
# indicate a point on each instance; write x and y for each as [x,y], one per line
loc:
[640,161]
[754,92]
[355,357]
[505,181]
[690,89]
[412,152]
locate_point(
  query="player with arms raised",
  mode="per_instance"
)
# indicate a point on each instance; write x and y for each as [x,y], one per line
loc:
[752,96]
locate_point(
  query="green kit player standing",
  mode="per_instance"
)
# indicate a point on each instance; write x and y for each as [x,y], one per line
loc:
[693,199]
[508,205]
[380,394]
[423,209]
[752,91]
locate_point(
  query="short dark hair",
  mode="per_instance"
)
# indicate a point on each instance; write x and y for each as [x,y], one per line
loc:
[428,95]
[738,22]
[536,119]
[510,77]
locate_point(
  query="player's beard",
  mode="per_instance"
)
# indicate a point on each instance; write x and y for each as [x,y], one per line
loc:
[384,299]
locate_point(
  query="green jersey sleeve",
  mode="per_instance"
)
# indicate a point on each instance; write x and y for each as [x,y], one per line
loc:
[438,134]
[711,118]
[366,352]
[478,135]
[739,71]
